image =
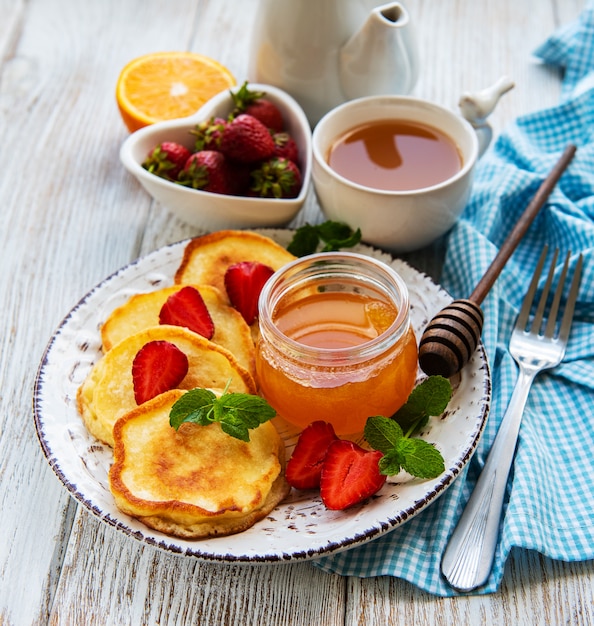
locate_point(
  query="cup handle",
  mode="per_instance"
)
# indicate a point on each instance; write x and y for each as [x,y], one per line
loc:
[476,108]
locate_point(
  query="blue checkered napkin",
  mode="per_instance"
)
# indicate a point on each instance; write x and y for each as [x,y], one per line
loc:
[572,48]
[551,489]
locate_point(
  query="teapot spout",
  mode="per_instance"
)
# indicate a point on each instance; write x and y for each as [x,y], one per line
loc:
[382,57]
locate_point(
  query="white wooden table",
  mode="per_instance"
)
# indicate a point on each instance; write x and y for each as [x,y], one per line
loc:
[70,215]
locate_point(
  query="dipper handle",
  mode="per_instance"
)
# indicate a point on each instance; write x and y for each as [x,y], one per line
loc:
[452,336]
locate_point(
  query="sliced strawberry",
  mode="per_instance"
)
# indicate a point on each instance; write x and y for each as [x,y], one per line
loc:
[186,308]
[158,367]
[350,474]
[244,282]
[305,465]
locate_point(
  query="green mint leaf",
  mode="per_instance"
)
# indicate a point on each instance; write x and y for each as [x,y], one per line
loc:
[415,456]
[434,393]
[430,397]
[235,427]
[382,433]
[236,412]
[251,410]
[391,463]
[335,235]
[421,459]
[305,241]
[194,406]
[392,436]
[330,229]
[338,235]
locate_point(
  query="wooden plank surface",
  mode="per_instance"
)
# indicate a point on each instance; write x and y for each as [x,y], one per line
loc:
[71,216]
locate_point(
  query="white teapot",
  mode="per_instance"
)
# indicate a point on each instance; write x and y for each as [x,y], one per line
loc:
[325,52]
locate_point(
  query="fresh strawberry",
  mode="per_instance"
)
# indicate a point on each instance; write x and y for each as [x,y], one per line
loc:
[286,147]
[305,465]
[239,178]
[244,282]
[186,308]
[208,134]
[247,140]
[255,104]
[268,113]
[206,170]
[158,367]
[166,160]
[276,178]
[350,474]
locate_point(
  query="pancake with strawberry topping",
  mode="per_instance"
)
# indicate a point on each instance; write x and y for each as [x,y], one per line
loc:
[200,308]
[112,387]
[207,258]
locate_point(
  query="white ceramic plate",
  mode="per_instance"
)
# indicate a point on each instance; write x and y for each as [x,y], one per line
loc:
[300,527]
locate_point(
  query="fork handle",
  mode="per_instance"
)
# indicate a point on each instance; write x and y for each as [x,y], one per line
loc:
[468,559]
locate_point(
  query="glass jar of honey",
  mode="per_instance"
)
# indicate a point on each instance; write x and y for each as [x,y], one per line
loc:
[336,343]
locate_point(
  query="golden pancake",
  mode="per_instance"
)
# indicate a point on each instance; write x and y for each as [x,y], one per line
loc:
[197,481]
[108,391]
[141,311]
[207,258]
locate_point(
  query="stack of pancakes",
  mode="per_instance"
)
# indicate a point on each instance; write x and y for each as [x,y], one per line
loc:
[196,481]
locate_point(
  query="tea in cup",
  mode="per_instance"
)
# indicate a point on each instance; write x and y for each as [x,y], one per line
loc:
[399,168]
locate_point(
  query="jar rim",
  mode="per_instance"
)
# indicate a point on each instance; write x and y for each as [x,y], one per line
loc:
[379,274]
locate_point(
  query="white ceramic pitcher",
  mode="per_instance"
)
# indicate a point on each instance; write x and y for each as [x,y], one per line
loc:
[325,52]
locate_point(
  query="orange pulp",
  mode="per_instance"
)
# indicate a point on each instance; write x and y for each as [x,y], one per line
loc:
[167,85]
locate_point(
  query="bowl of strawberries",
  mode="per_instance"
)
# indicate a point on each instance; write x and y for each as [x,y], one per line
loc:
[243,160]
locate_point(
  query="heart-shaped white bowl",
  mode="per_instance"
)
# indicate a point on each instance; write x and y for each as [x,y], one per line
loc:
[212,211]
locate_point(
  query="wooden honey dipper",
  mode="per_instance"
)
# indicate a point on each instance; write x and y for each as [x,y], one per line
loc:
[452,336]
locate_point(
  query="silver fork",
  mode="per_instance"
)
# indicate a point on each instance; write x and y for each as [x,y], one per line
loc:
[468,558]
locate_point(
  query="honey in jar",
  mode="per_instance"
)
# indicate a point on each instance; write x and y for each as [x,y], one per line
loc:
[335,341]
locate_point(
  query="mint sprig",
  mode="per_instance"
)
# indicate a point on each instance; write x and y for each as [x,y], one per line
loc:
[401,452]
[430,397]
[334,235]
[393,436]
[237,413]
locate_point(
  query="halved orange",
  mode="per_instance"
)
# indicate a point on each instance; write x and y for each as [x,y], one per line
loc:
[166,85]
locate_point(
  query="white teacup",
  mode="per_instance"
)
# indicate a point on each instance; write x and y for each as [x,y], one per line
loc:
[399,221]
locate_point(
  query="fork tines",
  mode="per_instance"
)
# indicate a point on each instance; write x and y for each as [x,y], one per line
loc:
[537,321]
